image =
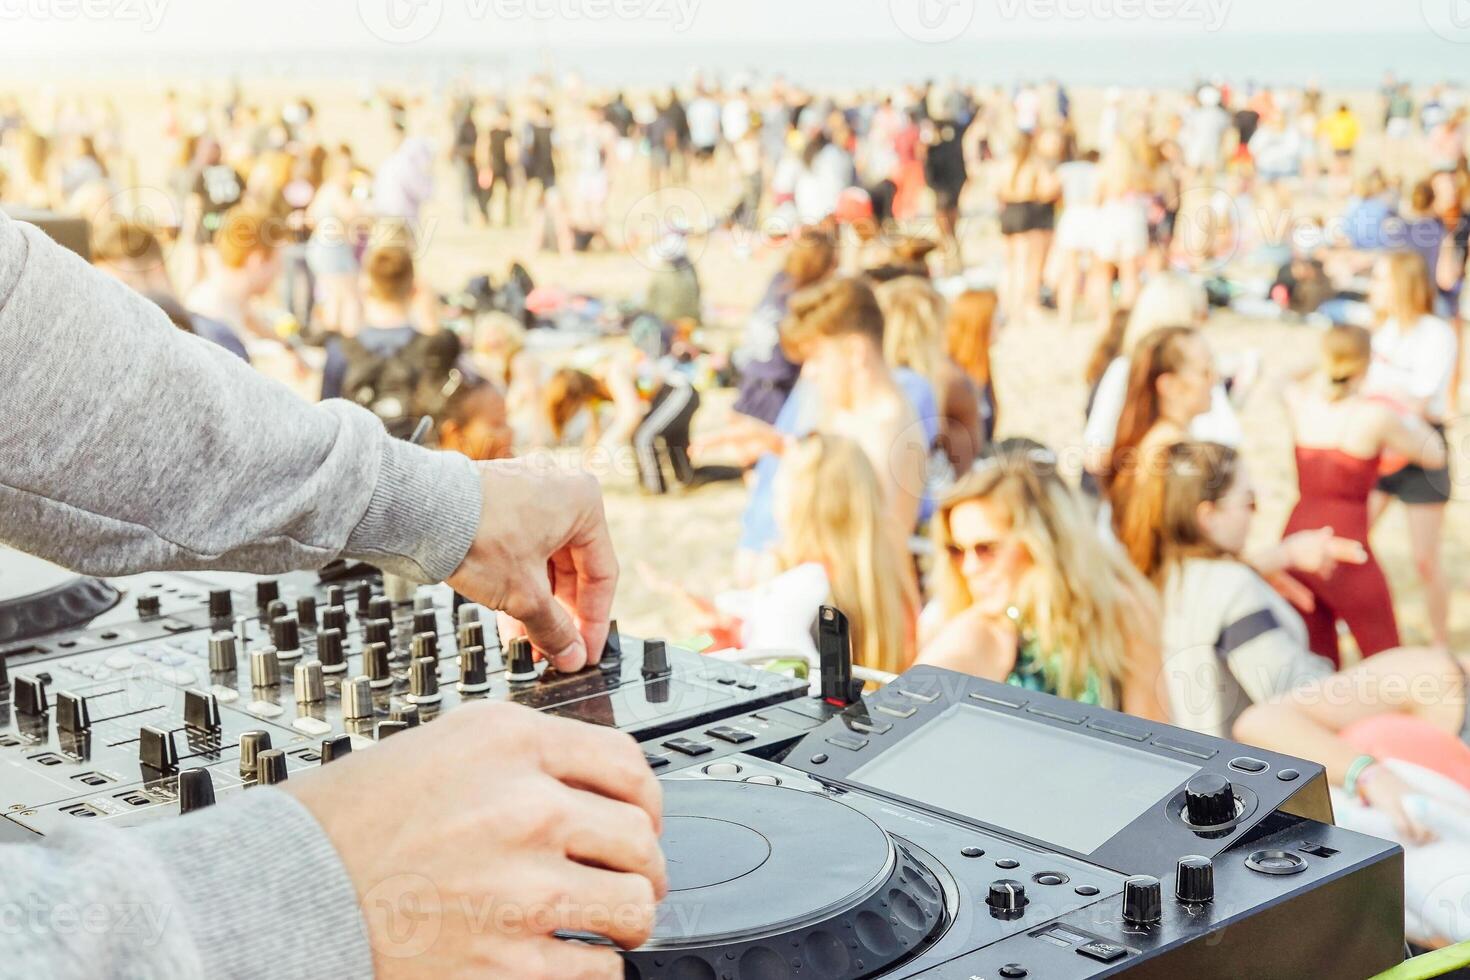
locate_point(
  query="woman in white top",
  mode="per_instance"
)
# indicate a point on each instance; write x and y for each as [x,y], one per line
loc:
[1414,354]
[1074,228]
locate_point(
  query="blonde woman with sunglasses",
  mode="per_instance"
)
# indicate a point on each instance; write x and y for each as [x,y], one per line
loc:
[1028,592]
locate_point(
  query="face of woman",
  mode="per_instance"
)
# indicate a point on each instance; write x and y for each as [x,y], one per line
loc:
[1227,521]
[991,560]
[1190,389]
[1380,287]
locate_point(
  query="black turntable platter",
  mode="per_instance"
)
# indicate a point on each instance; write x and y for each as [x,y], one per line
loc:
[769,883]
[37,597]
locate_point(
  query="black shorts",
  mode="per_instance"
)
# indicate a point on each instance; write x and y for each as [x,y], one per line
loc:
[704,152]
[1416,485]
[1018,217]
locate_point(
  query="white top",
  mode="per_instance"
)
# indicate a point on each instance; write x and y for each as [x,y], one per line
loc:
[1416,362]
[704,121]
[777,616]
[1229,641]
[1219,424]
[1079,183]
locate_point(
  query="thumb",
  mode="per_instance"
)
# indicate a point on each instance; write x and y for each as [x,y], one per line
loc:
[550,628]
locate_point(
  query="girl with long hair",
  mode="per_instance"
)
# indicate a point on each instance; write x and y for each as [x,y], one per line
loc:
[967,334]
[1028,593]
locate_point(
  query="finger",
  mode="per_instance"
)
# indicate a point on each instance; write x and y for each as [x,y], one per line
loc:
[1348,550]
[615,836]
[613,904]
[602,761]
[551,630]
[555,959]
[597,581]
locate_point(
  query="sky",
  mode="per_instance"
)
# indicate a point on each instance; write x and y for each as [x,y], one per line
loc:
[36,27]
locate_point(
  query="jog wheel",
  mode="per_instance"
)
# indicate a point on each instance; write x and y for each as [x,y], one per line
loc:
[37,597]
[768,883]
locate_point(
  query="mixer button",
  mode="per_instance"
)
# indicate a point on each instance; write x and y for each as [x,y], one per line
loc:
[311,726]
[1099,950]
[1086,890]
[120,660]
[1247,764]
[1276,862]
[1007,864]
[896,712]
[869,726]
[923,696]
[688,746]
[1287,775]
[148,606]
[723,769]
[1011,971]
[764,780]
[726,733]
[656,761]
[850,742]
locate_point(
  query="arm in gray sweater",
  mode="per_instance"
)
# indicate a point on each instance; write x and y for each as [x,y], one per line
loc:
[125,446]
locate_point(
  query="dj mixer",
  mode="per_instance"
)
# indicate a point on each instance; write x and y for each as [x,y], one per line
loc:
[941,827]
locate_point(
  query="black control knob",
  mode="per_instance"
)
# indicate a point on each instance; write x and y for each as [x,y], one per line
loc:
[201,711]
[251,745]
[423,680]
[335,748]
[520,666]
[1007,897]
[148,606]
[336,596]
[1194,879]
[307,680]
[329,651]
[286,637]
[364,594]
[423,602]
[378,631]
[1143,900]
[265,668]
[30,696]
[334,618]
[473,674]
[72,714]
[471,634]
[221,605]
[267,591]
[424,645]
[156,749]
[375,665]
[222,651]
[612,648]
[655,659]
[196,790]
[270,767]
[306,611]
[468,612]
[379,607]
[275,610]
[1209,800]
[357,699]
[408,714]
[425,621]
[390,727]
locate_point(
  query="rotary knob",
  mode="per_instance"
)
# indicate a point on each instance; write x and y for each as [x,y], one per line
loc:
[520,666]
[408,714]
[378,631]
[612,647]
[335,748]
[265,668]
[148,606]
[306,610]
[1006,898]
[275,609]
[424,645]
[266,592]
[425,621]
[468,613]
[357,699]
[310,687]
[270,767]
[286,637]
[221,605]
[334,618]
[252,744]
[423,680]
[390,727]
[423,601]
[471,634]
[222,651]
[379,607]
[196,790]
[375,665]
[1209,800]
[336,596]
[473,675]
[364,593]
[1143,900]
[655,659]
[329,651]
[1194,879]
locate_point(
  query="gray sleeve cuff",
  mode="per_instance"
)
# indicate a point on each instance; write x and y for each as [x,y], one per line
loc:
[283,907]
[423,513]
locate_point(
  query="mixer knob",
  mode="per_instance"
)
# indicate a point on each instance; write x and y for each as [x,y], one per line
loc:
[156,749]
[375,665]
[473,678]
[364,599]
[222,649]
[468,613]
[1194,879]
[424,645]
[471,634]
[655,659]
[408,714]
[201,711]
[275,610]
[612,648]
[426,621]
[520,666]
[221,605]
[72,714]
[390,727]
[286,637]
[357,699]
[265,668]
[335,748]
[1143,900]
[196,790]
[335,618]
[423,680]
[270,767]
[267,591]
[307,679]
[148,606]
[423,602]
[30,696]
[329,651]
[1209,800]
[379,607]
[1007,898]
[306,610]
[336,596]
[378,631]
[252,744]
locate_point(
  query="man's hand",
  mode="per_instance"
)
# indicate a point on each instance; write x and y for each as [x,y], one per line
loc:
[473,839]
[542,555]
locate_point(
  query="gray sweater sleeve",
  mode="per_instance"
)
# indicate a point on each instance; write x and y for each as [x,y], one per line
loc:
[184,899]
[128,446]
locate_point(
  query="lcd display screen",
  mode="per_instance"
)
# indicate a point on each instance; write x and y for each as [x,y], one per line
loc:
[1061,787]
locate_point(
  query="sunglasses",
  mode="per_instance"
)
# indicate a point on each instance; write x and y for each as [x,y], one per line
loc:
[984,551]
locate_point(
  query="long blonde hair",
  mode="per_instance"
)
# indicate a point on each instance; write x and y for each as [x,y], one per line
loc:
[1408,297]
[913,328]
[831,510]
[1083,599]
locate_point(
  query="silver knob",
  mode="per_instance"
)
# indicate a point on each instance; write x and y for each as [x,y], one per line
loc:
[222,649]
[310,688]
[265,668]
[357,699]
